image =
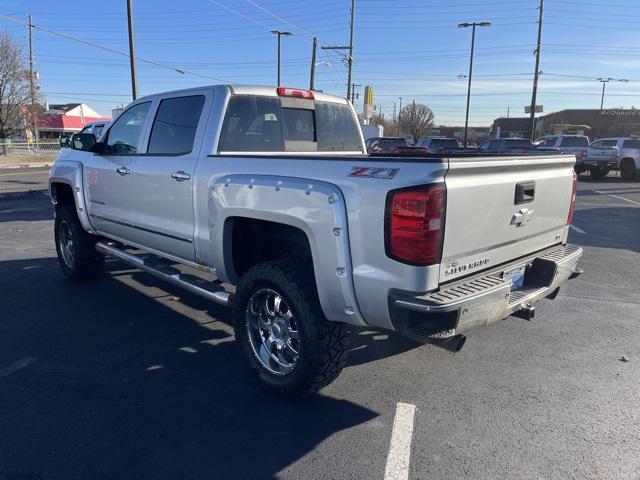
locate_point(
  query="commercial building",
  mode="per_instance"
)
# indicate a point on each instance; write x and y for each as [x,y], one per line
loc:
[67,118]
[594,123]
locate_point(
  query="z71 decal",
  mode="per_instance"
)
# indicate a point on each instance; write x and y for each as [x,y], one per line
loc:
[373,172]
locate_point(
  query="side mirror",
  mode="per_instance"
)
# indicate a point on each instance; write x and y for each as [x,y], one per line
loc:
[64,142]
[83,141]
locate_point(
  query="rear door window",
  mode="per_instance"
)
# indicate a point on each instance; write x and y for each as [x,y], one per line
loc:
[174,128]
[631,144]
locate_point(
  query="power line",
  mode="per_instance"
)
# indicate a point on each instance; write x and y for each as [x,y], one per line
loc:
[112,50]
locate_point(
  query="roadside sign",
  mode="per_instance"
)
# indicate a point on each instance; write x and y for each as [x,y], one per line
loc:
[527,109]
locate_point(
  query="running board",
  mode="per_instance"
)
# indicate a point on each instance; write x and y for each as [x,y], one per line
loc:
[209,290]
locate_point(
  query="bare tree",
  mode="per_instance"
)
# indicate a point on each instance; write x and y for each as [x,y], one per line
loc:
[416,119]
[15,94]
[390,127]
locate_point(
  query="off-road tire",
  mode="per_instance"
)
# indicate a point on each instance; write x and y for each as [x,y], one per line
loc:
[87,262]
[598,172]
[323,344]
[628,171]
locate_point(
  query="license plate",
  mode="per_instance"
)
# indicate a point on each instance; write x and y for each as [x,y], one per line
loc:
[516,275]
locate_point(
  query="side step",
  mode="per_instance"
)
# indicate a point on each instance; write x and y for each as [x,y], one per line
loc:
[209,290]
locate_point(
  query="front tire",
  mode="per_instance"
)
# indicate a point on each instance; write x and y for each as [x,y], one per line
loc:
[288,344]
[628,171]
[77,255]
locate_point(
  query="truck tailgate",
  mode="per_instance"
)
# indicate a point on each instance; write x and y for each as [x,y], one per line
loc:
[596,154]
[502,208]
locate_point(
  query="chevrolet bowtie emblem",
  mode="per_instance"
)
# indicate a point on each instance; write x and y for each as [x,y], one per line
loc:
[521,217]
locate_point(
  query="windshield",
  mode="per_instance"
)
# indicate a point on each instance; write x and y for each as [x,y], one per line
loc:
[393,142]
[444,143]
[517,143]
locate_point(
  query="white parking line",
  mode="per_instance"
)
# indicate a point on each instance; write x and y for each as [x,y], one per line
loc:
[15,366]
[400,447]
[616,196]
[574,228]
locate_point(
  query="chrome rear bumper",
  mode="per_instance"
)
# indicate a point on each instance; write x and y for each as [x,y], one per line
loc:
[485,298]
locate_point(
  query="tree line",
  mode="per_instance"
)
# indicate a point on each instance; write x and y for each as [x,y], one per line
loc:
[414,120]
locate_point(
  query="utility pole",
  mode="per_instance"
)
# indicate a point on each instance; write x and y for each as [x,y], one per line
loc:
[353,91]
[536,74]
[400,117]
[278,33]
[473,41]
[132,50]
[508,108]
[34,113]
[313,63]
[350,59]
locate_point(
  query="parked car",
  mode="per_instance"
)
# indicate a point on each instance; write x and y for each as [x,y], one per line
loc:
[515,146]
[385,144]
[628,159]
[270,189]
[440,144]
[95,127]
[601,158]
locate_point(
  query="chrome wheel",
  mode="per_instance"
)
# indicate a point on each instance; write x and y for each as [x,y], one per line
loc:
[65,241]
[272,331]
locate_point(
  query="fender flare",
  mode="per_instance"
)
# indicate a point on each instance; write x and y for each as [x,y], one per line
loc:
[316,208]
[70,173]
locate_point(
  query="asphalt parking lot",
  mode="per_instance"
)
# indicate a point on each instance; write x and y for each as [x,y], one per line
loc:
[128,377]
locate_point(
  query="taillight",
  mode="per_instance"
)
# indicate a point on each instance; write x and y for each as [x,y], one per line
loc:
[295,92]
[572,206]
[583,153]
[414,224]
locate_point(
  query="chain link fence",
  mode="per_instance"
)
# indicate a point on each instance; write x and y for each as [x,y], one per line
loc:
[24,167]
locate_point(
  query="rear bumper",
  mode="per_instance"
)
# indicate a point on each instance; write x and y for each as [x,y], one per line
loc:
[609,164]
[484,298]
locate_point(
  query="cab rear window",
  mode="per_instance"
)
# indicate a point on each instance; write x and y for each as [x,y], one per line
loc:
[575,142]
[261,124]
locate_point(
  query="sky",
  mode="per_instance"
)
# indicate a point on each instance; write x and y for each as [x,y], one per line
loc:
[410,49]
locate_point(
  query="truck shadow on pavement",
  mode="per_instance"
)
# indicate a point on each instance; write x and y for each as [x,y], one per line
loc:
[367,344]
[135,384]
[28,206]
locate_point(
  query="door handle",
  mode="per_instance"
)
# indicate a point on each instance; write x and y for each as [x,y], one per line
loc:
[180,176]
[123,170]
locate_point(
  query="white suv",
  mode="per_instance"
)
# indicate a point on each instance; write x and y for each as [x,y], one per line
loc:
[628,156]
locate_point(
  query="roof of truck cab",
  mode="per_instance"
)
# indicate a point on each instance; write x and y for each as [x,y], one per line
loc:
[262,90]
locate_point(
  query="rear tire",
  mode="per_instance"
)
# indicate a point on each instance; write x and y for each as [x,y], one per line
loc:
[598,172]
[291,348]
[628,171]
[77,255]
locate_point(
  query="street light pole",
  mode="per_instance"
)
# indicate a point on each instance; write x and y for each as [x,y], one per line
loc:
[473,41]
[604,84]
[278,33]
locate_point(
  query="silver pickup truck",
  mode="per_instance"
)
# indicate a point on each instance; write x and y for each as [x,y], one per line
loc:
[270,190]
